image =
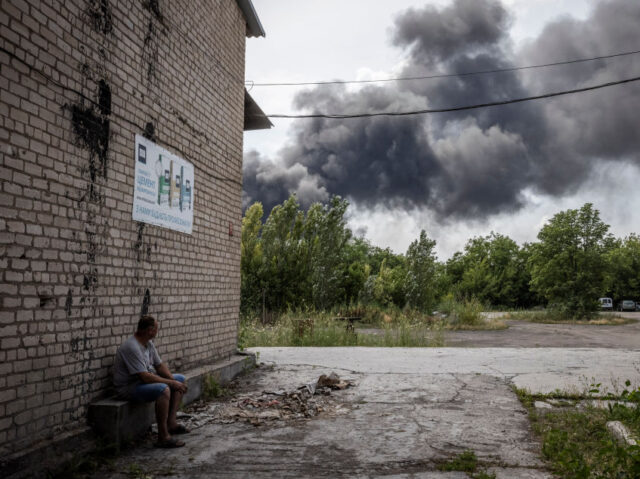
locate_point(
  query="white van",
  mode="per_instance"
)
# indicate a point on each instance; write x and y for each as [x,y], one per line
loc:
[606,304]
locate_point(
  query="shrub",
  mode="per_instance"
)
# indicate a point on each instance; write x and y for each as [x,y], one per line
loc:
[467,313]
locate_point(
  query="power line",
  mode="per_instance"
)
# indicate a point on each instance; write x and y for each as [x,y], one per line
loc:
[445,75]
[458,108]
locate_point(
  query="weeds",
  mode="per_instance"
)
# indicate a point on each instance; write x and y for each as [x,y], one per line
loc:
[211,389]
[466,462]
[468,315]
[321,329]
[343,326]
[577,443]
[137,472]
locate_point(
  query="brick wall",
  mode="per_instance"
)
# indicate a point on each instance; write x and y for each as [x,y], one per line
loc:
[79,79]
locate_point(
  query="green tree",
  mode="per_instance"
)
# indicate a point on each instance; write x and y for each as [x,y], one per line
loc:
[491,269]
[251,259]
[527,297]
[623,260]
[388,285]
[357,268]
[568,264]
[294,260]
[285,278]
[327,235]
[376,256]
[421,273]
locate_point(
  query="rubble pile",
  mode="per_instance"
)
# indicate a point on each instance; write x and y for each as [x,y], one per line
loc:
[306,401]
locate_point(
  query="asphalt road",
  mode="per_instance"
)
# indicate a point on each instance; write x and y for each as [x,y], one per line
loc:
[525,334]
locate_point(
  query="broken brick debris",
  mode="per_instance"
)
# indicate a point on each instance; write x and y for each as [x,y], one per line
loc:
[304,402]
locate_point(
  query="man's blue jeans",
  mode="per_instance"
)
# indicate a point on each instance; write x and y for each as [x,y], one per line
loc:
[152,391]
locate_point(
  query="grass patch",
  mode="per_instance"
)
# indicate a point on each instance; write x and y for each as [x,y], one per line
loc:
[393,327]
[557,317]
[577,444]
[211,388]
[466,461]
[322,330]
[467,315]
[137,472]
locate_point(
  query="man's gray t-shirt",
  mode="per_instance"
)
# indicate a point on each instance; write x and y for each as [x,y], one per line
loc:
[133,358]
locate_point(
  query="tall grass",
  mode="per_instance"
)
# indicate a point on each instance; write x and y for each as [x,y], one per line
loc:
[321,329]
[466,314]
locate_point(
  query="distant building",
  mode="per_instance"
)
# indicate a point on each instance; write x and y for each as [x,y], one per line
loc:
[89,90]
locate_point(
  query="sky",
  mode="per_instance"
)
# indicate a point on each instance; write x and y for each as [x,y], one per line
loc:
[505,169]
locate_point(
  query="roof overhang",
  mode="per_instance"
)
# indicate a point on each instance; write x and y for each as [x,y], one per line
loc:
[254,117]
[254,27]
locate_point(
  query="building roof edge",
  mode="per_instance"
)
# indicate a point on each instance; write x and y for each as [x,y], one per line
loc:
[254,27]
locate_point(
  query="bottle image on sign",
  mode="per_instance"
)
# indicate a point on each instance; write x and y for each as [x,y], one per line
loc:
[174,190]
[177,195]
[163,182]
[182,187]
[170,176]
[187,194]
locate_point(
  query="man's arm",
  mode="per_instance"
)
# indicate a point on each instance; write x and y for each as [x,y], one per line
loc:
[163,371]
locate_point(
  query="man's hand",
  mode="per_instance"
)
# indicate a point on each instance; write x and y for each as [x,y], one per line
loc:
[178,386]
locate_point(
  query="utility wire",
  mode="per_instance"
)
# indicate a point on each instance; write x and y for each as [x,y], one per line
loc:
[458,108]
[444,75]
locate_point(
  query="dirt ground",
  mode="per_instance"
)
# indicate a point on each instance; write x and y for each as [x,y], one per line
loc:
[525,334]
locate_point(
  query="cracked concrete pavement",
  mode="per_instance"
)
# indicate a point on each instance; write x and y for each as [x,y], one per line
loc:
[540,370]
[410,410]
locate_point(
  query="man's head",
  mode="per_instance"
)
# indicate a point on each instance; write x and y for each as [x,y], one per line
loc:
[147,326]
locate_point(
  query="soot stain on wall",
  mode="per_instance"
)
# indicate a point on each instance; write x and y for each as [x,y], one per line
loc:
[146,302]
[68,302]
[100,16]
[154,7]
[91,129]
[141,249]
[150,52]
[150,132]
[155,27]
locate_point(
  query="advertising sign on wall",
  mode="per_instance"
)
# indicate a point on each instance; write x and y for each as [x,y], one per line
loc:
[163,188]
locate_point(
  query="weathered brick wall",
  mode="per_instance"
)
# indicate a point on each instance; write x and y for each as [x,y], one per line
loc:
[79,79]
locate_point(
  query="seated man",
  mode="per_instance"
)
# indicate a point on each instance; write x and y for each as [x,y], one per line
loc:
[140,375]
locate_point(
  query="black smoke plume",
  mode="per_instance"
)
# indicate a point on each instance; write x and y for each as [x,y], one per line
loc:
[473,163]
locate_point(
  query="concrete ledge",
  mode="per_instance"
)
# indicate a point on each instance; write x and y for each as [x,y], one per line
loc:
[222,372]
[115,420]
[119,421]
